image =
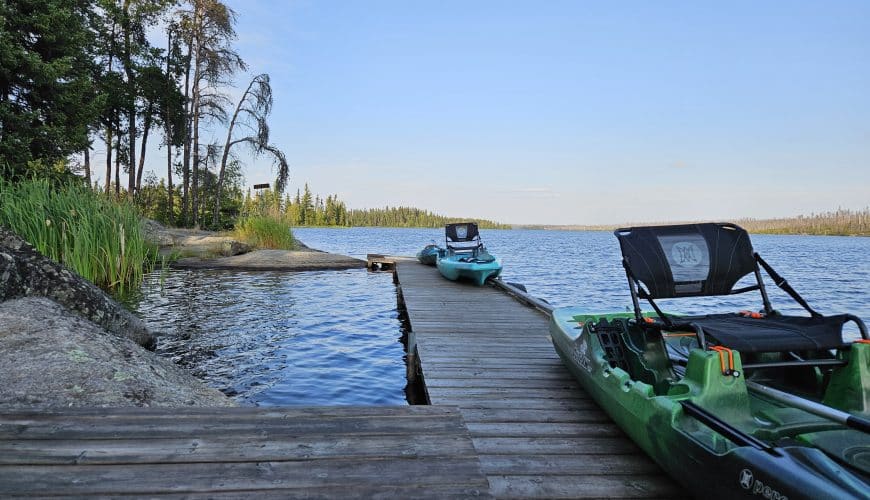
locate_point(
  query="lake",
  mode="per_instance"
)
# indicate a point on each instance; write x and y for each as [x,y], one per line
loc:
[333,337]
[584,268]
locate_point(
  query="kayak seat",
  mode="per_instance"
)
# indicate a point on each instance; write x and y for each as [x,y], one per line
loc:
[773,333]
[709,259]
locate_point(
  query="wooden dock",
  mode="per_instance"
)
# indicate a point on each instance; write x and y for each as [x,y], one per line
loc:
[506,420]
[328,452]
[537,433]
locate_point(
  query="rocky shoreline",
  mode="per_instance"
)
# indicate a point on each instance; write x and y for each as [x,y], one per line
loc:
[52,358]
[208,250]
[65,343]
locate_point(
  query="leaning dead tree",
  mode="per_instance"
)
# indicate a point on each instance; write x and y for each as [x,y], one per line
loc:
[248,126]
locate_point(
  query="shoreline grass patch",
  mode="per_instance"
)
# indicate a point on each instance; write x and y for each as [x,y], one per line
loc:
[262,231]
[98,238]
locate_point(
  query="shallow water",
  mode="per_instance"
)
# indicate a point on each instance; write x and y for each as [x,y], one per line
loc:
[332,337]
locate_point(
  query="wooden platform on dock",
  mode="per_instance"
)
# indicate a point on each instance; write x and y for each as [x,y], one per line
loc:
[537,433]
[327,452]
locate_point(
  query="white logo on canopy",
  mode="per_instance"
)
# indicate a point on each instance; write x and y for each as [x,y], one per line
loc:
[687,256]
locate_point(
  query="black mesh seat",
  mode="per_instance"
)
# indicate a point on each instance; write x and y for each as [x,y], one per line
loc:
[693,260]
[769,334]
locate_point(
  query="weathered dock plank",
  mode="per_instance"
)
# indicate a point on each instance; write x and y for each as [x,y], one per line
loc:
[537,433]
[314,421]
[324,452]
[583,486]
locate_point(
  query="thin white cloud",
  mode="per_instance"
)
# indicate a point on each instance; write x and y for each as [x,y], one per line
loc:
[534,192]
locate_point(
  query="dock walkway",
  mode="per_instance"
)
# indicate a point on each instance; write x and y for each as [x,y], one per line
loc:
[537,433]
[325,452]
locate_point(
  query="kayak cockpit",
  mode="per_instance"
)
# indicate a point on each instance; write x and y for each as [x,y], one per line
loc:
[658,372]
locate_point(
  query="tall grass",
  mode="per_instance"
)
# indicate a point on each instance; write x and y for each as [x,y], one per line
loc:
[264,231]
[98,238]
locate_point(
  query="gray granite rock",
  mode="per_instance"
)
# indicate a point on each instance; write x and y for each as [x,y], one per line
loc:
[192,242]
[24,272]
[50,357]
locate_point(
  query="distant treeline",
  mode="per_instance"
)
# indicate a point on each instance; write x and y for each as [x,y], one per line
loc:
[307,209]
[839,223]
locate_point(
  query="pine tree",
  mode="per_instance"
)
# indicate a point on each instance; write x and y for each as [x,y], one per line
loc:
[306,207]
[47,100]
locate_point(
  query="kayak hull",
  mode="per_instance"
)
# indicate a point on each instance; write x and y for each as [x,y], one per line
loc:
[429,254]
[451,267]
[708,464]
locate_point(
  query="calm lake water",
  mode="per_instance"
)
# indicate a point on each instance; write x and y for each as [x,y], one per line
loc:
[583,268]
[277,338]
[333,337]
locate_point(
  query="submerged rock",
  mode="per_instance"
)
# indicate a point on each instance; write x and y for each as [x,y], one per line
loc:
[50,357]
[24,272]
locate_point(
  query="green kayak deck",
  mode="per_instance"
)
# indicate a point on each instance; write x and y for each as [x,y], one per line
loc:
[669,396]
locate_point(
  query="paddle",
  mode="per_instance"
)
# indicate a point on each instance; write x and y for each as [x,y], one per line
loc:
[847,419]
[729,431]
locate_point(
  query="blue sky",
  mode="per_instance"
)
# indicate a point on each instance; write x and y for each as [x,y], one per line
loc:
[569,112]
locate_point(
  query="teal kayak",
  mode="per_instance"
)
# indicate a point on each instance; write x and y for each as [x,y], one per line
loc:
[429,254]
[465,257]
[475,267]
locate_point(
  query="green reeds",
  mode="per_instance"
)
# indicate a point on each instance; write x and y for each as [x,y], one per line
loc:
[98,238]
[263,231]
